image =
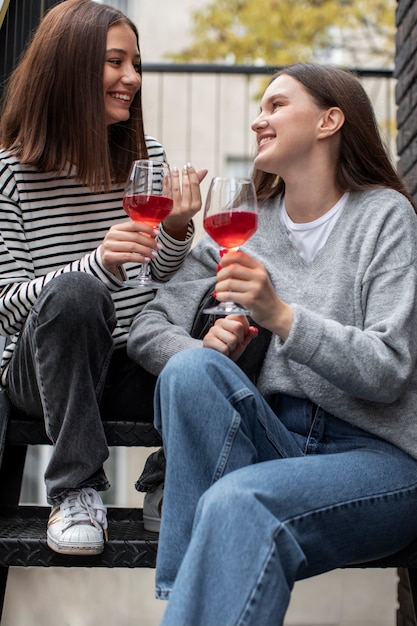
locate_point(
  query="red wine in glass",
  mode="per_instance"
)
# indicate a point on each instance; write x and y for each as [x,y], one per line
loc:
[231,229]
[149,209]
[147,198]
[230,218]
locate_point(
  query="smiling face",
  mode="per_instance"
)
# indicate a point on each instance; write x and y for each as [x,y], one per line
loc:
[121,79]
[287,127]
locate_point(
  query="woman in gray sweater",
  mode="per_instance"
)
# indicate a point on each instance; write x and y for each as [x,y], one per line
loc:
[270,484]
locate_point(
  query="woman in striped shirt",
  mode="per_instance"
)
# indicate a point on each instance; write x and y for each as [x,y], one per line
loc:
[66,247]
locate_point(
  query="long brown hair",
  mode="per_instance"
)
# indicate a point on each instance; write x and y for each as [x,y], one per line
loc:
[53,110]
[363,159]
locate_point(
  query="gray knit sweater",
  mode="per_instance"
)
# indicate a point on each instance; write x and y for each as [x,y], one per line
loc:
[353,345]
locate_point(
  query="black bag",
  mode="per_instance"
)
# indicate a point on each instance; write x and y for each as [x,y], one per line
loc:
[251,360]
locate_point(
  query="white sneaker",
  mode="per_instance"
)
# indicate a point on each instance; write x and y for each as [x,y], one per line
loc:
[152,509]
[79,524]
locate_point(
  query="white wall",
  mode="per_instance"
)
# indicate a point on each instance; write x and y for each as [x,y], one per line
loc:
[164,25]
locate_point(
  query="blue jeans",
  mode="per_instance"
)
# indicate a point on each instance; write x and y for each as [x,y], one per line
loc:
[258,496]
[65,371]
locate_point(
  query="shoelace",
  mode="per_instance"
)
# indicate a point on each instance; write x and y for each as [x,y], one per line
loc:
[82,506]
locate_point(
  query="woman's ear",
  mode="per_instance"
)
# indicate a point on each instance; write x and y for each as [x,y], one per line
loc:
[332,121]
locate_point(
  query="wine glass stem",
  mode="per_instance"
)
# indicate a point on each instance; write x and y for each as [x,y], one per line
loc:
[228,305]
[144,271]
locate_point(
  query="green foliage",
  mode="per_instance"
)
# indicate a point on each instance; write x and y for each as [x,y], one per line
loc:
[279,32]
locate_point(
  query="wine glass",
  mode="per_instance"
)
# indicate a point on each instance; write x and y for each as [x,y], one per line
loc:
[230,218]
[147,198]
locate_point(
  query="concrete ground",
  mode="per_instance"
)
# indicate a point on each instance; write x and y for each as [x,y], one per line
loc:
[96,597]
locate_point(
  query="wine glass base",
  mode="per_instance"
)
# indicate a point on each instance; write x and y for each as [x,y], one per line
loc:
[142,285]
[226,308]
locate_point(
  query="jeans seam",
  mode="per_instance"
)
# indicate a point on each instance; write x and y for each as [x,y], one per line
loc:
[246,612]
[225,452]
[263,420]
[308,445]
[42,394]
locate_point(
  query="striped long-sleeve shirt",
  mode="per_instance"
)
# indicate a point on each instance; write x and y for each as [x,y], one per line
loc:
[53,224]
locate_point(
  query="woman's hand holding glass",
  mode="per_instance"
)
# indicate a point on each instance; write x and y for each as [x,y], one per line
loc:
[128,242]
[135,241]
[247,280]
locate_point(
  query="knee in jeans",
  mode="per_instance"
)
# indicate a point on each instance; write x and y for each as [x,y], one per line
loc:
[191,366]
[76,294]
[226,499]
[179,368]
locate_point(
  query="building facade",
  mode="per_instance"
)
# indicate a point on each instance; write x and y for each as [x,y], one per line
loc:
[406,91]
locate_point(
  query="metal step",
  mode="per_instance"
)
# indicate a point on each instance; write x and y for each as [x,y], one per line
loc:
[23,540]
[21,431]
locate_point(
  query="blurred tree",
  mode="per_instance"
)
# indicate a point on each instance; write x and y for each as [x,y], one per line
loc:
[279,32]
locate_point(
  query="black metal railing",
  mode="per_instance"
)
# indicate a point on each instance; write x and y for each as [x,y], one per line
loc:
[202,112]
[20,19]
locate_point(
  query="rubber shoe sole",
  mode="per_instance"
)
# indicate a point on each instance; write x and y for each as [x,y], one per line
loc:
[75,548]
[152,509]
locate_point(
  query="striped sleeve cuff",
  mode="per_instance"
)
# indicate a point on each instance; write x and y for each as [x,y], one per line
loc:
[172,255]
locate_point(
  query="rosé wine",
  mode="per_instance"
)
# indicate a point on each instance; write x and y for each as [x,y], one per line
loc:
[231,229]
[147,208]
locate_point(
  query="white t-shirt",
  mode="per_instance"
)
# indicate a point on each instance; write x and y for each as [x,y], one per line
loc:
[308,238]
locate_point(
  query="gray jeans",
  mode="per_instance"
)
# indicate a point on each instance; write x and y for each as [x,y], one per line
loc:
[65,370]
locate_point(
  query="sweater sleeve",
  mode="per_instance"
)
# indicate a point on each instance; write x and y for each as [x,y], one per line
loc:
[163,327]
[374,358]
[19,286]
